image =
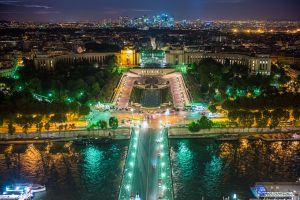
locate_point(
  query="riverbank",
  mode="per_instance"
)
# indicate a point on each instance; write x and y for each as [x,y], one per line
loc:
[267,134]
[64,136]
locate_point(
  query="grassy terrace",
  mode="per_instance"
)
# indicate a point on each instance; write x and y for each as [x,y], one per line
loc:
[193,87]
[136,95]
[109,89]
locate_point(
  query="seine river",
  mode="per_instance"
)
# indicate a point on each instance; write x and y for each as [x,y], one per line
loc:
[201,168]
[70,172]
[210,169]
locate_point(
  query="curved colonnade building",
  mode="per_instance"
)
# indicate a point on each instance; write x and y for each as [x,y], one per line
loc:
[128,57]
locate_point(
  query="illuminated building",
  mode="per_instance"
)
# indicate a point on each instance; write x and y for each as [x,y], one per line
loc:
[286,60]
[152,58]
[260,63]
[8,67]
[7,72]
[128,57]
[163,20]
[175,57]
[49,62]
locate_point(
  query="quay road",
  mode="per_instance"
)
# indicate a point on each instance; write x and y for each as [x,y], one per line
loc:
[147,176]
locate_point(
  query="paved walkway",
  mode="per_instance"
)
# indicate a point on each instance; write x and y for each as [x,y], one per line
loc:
[124,89]
[178,89]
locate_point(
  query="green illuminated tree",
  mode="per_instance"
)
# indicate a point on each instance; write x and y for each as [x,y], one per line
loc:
[205,123]
[212,108]
[113,122]
[102,124]
[194,127]
[95,90]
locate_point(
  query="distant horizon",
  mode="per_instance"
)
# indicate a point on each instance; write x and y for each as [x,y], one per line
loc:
[95,10]
[176,20]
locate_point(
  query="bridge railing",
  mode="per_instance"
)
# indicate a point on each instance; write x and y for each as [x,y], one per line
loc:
[127,178]
[165,171]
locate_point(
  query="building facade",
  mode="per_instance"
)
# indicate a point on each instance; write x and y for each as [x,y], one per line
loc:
[128,57]
[258,64]
[49,62]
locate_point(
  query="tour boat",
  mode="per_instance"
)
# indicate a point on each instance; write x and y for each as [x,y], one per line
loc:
[276,190]
[17,193]
[34,188]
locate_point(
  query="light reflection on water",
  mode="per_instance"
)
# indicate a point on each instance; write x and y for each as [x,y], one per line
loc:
[68,171]
[210,169]
[200,167]
[185,159]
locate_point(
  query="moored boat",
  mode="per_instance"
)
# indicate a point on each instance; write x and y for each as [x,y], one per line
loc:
[17,193]
[34,188]
[276,190]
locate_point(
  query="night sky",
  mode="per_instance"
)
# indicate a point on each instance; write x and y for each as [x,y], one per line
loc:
[84,10]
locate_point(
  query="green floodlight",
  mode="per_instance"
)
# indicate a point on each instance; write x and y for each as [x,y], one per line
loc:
[16,77]
[20,88]
[257,91]
[69,99]
[50,94]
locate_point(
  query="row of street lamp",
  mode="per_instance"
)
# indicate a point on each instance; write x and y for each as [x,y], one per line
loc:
[164,183]
[125,191]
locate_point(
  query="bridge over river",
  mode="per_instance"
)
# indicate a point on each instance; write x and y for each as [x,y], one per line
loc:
[147,171]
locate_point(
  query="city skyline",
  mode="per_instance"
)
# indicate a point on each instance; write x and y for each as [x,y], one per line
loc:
[92,10]
[150,100]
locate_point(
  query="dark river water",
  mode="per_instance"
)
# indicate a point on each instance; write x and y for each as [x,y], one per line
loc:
[210,169]
[201,168]
[70,172]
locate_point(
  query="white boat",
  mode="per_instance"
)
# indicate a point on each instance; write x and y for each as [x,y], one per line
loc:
[37,188]
[34,188]
[16,195]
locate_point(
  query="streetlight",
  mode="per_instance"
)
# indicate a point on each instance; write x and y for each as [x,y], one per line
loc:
[131,113]
[128,187]
[234,196]
[131,164]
